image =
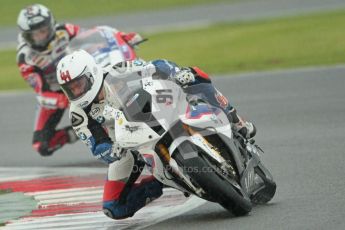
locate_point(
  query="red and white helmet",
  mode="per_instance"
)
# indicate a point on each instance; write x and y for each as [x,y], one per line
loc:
[37,25]
[79,77]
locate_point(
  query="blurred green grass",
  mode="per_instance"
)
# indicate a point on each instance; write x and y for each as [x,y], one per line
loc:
[9,72]
[311,40]
[317,39]
[4,191]
[70,9]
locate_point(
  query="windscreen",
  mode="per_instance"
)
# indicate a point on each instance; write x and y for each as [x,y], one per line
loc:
[97,42]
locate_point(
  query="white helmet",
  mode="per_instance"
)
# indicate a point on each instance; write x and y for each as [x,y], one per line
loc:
[33,20]
[79,77]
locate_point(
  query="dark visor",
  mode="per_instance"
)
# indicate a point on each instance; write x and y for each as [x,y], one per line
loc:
[78,87]
[28,35]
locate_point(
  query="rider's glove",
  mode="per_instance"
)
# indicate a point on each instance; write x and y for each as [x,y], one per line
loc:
[108,152]
[184,77]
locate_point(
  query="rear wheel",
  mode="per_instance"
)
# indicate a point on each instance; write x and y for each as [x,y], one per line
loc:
[211,179]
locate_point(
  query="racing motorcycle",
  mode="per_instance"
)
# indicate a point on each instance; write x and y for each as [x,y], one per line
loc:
[187,142]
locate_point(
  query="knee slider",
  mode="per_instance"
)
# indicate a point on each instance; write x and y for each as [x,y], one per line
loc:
[42,149]
[41,144]
[114,210]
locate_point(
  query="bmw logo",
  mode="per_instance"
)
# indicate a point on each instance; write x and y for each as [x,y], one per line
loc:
[82,136]
[100,119]
[138,63]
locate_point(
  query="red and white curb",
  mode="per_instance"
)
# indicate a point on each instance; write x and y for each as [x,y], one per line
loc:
[72,199]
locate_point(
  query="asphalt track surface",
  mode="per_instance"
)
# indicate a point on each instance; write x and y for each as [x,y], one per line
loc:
[300,117]
[299,114]
[195,16]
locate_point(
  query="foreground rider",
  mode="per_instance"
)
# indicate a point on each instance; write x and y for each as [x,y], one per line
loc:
[42,43]
[82,81]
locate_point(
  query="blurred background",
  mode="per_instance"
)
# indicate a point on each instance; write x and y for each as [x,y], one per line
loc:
[220,36]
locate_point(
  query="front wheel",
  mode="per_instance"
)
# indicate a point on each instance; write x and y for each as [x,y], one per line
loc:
[207,175]
[266,193]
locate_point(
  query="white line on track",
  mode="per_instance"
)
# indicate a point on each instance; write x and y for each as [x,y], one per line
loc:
[171,204]
[69,193]
[57,191]
[153,213]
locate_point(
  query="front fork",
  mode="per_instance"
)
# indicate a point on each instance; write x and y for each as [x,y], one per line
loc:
[171,166]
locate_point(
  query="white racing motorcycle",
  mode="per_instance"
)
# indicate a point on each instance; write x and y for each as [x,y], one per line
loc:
[190,141]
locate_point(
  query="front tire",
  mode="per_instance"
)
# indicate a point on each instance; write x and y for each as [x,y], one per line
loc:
[265,194]
[204,173]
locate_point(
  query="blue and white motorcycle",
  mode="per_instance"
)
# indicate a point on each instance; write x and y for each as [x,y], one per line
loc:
[190,141]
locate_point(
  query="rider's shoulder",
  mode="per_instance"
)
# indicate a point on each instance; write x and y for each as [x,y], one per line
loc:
[77,115]
[22,45]
[23,53]
[71,29]
[76,109]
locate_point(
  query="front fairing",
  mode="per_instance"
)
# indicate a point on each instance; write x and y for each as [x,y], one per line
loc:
[147,99]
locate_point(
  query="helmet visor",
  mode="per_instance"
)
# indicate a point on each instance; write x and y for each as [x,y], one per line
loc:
[39,37]
[78,87]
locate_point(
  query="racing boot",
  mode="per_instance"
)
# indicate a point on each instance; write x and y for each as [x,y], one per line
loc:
[136,198]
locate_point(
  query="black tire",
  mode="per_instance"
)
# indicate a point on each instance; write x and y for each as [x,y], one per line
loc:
[211,181]
[265,194]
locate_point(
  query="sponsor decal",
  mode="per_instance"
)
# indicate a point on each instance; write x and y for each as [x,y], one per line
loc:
[130,101]
[117,115]
[65,76]
[138,63]
[32,80]
[100,119]
[84,104]
[90,143]
[222,100]
[131,129]
[77,119]
[120,67]
[148,83]
[120,121]
[95,111]
[82,136]
[35,20]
